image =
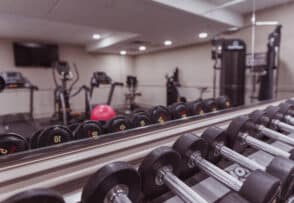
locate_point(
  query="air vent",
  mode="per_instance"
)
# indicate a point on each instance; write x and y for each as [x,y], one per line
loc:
[139,42]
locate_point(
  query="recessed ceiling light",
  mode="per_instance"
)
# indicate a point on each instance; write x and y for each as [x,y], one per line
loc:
[123,52]
[96,36]
[203,35]
[142,48]
[168,42]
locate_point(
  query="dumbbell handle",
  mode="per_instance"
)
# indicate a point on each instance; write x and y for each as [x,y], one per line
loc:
[257,144]
[238,158]
[283,126]
[275,135]
[289,119]
[183,191]
[215,172]
[118,194]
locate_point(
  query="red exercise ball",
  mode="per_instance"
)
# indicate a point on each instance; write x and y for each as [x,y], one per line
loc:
[102,113]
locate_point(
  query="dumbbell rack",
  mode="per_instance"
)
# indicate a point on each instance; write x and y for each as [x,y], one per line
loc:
[67,172]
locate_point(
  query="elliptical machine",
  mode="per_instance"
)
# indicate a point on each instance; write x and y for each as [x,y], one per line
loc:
[62,92]
[98,78]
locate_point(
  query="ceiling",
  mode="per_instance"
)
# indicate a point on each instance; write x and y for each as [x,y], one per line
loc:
[122,24]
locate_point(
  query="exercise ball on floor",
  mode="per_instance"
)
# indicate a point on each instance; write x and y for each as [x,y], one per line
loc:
[102,113]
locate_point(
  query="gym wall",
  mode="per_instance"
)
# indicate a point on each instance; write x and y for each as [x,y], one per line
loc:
[14,101]
[195,62]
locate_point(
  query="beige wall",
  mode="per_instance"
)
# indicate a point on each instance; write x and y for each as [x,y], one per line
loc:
[18,101]
[195,62]
[195,69]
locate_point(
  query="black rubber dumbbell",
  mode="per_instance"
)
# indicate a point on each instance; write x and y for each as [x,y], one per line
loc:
[259,187]
[160,114]
[36,196]
[241,134]
[279,167]
[263,126]
[159,171]
[222,102]
[278,119]
[88,129]
[140,119]
[117,124]
[287,108]
[195,108]
[52,135]
[11,143]
[115,182]
[178,110]
[209,105]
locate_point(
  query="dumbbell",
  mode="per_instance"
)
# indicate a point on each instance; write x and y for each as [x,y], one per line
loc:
[209,105]
[140,119]
[277,119]
[262,125]
[12,143]
[159,171]
[36,196]
[287,109]
[178,110]
[117,124]
[222,102]
[195,108]
[52,135]
[117,182]
[259,187]
[240,135]
[88,129]
[160,114]
[279,167]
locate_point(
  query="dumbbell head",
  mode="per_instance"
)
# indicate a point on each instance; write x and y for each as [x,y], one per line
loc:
[223,102]
[260,187]
[188,144]
[273,112]
[150,166]
[117,124]
[241,124]
[209,105]
[140,119]
[51,136]
[36,196]
[12,143]
[195,108]
[259,117]
[286,108]
[283,169]
[159,114]
[88,129]
[213,136]
[111,177]
[178,110]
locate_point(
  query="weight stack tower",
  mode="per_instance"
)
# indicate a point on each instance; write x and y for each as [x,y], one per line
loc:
[233,70]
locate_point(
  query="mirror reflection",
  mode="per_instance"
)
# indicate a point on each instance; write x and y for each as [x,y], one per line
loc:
[66,77]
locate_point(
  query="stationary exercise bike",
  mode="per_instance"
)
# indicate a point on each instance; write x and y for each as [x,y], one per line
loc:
[130,97]
[62,92]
